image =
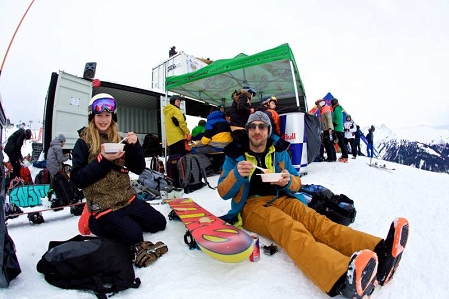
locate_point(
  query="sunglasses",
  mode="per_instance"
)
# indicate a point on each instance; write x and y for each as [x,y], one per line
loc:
[103,104]
[262,127]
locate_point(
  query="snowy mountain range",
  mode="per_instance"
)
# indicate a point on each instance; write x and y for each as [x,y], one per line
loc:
[421,147]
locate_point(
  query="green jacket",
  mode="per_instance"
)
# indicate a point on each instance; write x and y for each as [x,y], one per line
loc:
[337,118]
[198,132]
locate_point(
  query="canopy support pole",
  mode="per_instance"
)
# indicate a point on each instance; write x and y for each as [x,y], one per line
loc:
[294,83]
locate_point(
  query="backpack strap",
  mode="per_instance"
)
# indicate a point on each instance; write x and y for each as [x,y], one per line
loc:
[185,170]
[195,166]
[99,289]
[120,285]
[346,199]
[153,163]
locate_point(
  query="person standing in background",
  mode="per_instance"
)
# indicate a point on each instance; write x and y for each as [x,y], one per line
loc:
[337,120]
[269,107]
[357,135]
[66,192]
[172,52]
[55,155]
[327,127]
[350,129]
[240,111]
[13,149]
[370,141]
[176,127]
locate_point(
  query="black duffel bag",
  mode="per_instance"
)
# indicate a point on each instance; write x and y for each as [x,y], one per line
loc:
[338,208]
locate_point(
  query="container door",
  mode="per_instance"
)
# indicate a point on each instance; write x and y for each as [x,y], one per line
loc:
[72,96]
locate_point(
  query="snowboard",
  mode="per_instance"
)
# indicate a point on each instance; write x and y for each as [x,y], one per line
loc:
[44,209]
[28,195]
[213,235]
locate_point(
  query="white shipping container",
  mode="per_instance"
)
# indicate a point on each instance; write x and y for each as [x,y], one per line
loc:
[176,65]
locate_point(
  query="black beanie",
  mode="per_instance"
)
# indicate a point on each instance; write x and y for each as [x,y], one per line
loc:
[175,97]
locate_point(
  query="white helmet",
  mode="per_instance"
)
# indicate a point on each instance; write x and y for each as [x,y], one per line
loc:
[102,102]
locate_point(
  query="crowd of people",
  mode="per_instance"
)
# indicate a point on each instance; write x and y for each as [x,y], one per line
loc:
[339,132]
[213,134]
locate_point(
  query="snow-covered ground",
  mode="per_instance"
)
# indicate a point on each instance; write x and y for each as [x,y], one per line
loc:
[380,196]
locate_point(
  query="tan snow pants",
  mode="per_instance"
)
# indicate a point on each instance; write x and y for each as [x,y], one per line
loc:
[318,246]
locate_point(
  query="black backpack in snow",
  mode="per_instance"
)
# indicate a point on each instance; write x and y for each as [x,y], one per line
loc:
[192,173]
[65,190]
[338,208]
[89,263]
[151,145]
[172,169]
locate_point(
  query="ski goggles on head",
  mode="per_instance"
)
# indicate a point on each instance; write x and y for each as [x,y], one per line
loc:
[103,104]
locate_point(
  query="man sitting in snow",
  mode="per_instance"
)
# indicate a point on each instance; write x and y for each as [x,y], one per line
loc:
[338,259]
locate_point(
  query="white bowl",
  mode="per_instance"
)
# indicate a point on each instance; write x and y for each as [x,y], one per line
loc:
[111,148]
[271,177]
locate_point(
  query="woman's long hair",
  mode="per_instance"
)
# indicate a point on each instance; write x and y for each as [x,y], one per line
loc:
[92,136]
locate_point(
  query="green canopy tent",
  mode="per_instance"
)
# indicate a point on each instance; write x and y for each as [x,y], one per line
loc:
[271,72]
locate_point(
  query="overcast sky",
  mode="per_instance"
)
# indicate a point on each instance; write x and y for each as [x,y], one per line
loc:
[386,61]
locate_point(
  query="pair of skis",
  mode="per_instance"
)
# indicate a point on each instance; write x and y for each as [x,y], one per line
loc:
[380,166]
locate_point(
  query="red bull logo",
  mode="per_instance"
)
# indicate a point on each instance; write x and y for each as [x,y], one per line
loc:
[290,137]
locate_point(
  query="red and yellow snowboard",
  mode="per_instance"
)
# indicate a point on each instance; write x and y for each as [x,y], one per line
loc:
[214,236]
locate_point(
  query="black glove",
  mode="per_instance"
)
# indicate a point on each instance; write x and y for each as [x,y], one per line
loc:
[147,253]
[335,137]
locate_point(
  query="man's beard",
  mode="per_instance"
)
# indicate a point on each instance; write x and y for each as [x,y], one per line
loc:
[259,143]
